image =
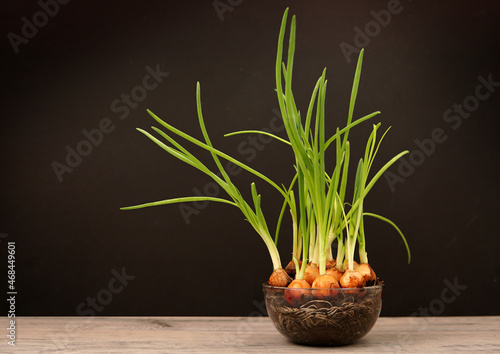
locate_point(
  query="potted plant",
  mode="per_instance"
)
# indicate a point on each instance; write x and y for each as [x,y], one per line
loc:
[316,299]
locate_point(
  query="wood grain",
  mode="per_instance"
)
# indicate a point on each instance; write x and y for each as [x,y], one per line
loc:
[242,335]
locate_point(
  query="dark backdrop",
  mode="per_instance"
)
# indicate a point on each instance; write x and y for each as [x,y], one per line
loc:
[78,81]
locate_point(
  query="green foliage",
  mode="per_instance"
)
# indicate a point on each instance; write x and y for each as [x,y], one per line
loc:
[316,194]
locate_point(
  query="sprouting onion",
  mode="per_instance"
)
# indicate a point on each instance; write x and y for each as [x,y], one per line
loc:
[322,220]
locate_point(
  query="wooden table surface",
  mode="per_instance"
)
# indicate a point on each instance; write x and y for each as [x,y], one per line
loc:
[243,335]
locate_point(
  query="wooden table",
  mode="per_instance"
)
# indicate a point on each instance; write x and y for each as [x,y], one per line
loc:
[242,335]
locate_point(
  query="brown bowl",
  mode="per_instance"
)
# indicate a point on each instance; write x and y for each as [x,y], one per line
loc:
[322,317]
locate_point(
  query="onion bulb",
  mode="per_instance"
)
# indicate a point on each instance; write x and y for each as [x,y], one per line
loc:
[352,279]
[366,271]
[325,283]
[331,264]
[295,290]
[280,278]
[290,268]
[335,272]
[354,264]
[311,273]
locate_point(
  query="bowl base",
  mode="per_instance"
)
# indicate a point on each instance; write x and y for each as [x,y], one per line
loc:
[339,319]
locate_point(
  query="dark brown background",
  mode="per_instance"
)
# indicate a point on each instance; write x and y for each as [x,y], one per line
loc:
[70,235]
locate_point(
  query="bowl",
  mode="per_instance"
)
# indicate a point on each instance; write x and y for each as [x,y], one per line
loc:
[323,317]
